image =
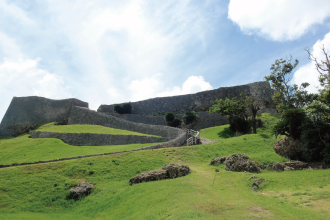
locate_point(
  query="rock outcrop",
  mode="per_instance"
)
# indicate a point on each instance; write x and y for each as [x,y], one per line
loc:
[218,160]
[290,148]
[237,163]
[82,189]
[241,163]
[168,171]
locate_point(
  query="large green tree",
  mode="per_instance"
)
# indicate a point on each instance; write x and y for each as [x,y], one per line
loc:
[287,96]
[238,111]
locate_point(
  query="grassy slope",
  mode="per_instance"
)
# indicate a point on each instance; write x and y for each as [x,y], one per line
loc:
[38,192]
[50,127]
[24,149]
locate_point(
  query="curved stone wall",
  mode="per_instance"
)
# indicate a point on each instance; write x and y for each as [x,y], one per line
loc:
[206,119]
[80,115]
[89,139]
[200,101]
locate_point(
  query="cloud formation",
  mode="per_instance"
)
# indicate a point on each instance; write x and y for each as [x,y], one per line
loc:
[155,87]
[278,20]
[22,76]
[308,72]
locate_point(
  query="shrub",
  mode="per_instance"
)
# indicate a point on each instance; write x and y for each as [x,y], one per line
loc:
[169,116]
[176,123]
[171,120]
[317,141]
[290,125]
[125,108]
[189,117]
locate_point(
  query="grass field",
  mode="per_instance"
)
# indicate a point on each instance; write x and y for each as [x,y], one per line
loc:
[98,129]
[39,191]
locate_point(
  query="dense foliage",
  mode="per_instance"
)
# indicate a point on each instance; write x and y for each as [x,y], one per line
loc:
[189,117]
[241,112]
[304,116]
[171,120]
[125,108]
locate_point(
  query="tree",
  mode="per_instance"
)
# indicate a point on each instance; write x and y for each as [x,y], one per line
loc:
[286,96]
[253,106]
[322,67]
[171,120]
[238,112]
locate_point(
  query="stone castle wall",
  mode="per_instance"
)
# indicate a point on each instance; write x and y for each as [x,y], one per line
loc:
[34,109]
[89,139]
[200,101]
[80,115]
[206,119]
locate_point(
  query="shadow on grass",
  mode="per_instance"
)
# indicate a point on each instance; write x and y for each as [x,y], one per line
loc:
[5,138]
[226,133]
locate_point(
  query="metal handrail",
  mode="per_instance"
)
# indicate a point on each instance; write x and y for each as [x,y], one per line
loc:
[195,137]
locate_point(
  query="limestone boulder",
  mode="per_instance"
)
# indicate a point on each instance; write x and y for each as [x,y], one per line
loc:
[290,148]
[276,167]
[82,189]
[296,165]
[241,163]
[168,171]
[218,160]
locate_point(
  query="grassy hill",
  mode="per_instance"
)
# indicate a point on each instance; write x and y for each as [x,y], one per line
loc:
[23,149]
[39,191]
[96,129]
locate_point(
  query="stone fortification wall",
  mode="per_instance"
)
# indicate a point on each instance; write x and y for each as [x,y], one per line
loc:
[173,143]
[80,115]
[89,139]
[151,120]
[34,109]
[200,101]
[206,119]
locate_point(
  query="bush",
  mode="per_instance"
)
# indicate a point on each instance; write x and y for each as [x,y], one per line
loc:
[125,108]
[176,123]
[169,116]
[189,117]
[171,120]
[290,125]
[317,141]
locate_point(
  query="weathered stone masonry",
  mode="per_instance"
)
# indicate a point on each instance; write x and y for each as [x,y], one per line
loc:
[89,139]
[33,109]
[200,101]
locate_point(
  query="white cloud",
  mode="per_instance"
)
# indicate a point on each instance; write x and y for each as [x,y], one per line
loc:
[308,72]
[22,77]
[192,85]
[278,20]
[155,87]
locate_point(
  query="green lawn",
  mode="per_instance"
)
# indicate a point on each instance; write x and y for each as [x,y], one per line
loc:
[50,127]
[39,191]
[23,149]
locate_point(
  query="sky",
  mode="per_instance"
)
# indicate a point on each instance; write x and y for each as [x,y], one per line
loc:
[109,51]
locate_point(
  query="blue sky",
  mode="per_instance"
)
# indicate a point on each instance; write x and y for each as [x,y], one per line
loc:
[105,52]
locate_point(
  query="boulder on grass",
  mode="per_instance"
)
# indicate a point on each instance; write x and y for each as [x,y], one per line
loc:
[290,148]
[218,160]
[168,171]
[296,165]
[276,167]
[82,189]
[241,163]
